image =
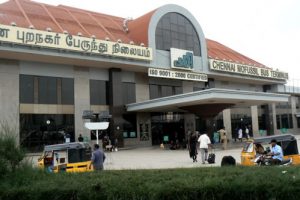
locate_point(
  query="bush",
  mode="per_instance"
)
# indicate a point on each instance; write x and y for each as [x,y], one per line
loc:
[11,154]
[196,183]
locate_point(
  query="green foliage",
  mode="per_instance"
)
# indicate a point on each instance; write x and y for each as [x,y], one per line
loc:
[11,154]
[196,183]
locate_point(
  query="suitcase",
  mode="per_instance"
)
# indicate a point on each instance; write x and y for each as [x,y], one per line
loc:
[211,158]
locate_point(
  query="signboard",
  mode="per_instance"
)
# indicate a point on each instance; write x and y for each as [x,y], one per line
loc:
[225,66]
[182,59]
[31,37]
[164,73]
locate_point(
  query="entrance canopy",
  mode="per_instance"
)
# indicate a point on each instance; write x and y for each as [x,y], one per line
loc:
[207,103]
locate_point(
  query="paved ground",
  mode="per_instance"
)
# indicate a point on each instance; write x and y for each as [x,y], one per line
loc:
[156,158]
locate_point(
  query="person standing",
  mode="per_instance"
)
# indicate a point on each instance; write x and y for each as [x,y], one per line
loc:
[67,138]
[222,132]
[193,147]
[204,142]
[247,132]
[98,158]
[80,138]
[240,134]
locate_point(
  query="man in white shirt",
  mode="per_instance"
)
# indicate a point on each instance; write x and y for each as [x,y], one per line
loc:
[204,142]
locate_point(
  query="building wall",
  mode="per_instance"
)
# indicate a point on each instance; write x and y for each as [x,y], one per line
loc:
[238,86]
[142,87]
[9,94]
[81,99]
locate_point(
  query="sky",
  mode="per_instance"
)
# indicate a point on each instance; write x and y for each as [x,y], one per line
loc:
[267,31]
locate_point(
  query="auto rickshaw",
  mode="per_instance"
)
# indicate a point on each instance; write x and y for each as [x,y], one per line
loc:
[67,157]
[258,146]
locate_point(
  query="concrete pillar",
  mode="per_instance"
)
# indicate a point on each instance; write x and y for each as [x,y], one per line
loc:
[227,122]
[116,105]
[9,95]
[255,125]
[81,99]
[273,119]
[142,87]
[293,112]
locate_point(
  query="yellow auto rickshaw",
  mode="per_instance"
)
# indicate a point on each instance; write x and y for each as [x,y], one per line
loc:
[258,146]
[67,157]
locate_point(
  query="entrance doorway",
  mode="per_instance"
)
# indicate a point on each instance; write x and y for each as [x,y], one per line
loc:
[171,131]
[167,128]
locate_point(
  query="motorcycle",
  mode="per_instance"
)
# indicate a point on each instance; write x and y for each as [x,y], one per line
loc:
[265,160]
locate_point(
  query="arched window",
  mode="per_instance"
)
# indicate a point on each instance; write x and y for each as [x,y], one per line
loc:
[176,31]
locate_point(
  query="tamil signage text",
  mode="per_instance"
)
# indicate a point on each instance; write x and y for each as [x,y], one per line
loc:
[69,42]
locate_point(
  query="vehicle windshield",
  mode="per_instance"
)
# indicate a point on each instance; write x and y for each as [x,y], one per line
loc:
[79,155]
[248,148]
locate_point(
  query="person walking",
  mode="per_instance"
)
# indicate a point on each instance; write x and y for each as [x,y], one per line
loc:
[204,142]
[222,132]
[98,158]
[193,147]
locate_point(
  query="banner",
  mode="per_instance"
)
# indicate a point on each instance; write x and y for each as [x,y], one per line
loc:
[32,37]
[225,66]
[182,75]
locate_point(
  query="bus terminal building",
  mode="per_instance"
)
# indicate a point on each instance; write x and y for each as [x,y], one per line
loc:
[157,76]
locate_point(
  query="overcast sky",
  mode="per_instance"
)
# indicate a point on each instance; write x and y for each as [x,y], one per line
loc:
[267,31]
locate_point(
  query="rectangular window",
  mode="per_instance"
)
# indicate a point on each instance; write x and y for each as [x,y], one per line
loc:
[284,121]
[298,122]
[166,91]
[178,90]
[278,121]
[297,102]
[158,91]
[128,90]
[26,89]
[291,121]
[262,122]
[36,130]
[154,91]
[67,91]
[195,89]
[98,92]
[47,90]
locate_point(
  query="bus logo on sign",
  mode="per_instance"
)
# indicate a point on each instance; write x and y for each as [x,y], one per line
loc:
[182,59]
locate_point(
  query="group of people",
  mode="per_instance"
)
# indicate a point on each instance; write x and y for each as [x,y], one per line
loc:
[204,143]
[221,136]
[98,156]
[275,153]
[243,133]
